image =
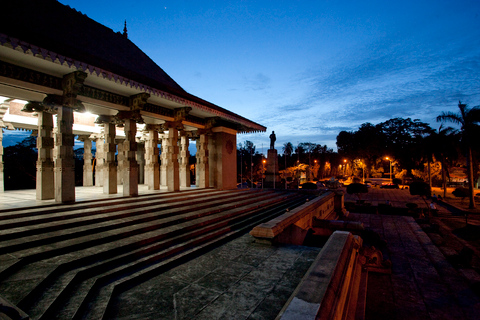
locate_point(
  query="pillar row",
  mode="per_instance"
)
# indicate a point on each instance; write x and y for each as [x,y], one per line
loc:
[202,173]
[130,177]
[64,161]
[183,161]
[110,167]
[163,160]
[152,167]
[173,178]
[45,165]
[99,159]
[141,161]
[120,160]
[87,161]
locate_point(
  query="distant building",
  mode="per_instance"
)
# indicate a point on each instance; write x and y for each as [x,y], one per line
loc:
[56,63]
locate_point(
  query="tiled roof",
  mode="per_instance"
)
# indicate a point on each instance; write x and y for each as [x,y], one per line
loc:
[50,24]
[67,32]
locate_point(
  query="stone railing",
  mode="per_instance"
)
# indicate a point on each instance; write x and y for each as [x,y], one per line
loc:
[335,285]
[293,226]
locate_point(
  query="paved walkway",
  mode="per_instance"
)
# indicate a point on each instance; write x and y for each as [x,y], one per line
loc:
[423,283]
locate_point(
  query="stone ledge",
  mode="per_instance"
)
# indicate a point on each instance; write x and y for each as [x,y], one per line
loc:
[274,227]
[330,288]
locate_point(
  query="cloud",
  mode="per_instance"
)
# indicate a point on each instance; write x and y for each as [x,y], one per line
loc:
[257,82]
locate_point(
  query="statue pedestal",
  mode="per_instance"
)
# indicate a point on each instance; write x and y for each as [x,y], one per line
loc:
[272,179]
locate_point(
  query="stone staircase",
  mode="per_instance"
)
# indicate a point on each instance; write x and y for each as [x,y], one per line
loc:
[68,261]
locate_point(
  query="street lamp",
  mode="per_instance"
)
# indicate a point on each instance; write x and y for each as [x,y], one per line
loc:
[387,158]
[344,166]
[264,161]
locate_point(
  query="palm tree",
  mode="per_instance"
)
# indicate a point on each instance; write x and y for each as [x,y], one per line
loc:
[468,119]
[442,145]
[287,151]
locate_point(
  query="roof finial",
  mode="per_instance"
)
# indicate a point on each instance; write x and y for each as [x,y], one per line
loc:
[125,34]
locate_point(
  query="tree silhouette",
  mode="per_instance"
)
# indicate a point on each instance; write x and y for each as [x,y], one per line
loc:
[287,151]
[468,119]
[442,145]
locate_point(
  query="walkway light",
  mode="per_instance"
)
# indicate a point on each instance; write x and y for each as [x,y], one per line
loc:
[387,158]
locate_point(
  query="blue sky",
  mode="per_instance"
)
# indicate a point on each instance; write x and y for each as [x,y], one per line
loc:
[309,69]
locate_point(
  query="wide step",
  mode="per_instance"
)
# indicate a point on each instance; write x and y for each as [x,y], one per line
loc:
[88,252]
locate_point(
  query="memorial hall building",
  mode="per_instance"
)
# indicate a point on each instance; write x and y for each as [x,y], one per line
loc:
[66,77]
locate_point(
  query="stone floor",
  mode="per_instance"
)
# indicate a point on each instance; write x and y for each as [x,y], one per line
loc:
[239,280]
[26,198]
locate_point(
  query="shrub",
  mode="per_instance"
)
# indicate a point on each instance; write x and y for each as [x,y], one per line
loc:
[420,188]
[461,192]
[309,185]
[357,189]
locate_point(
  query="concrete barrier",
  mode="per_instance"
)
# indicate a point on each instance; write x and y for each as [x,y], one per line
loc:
[335,285]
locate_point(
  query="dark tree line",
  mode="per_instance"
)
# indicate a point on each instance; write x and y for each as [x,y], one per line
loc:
[414,144]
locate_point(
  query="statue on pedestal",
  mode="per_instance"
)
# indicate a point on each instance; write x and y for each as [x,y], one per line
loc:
[273,138]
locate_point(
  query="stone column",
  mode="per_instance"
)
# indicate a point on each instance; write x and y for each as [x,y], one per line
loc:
[130,178]
[183,161]
[120,160]
[45,165]
[110,167]
[99,160]
[173,177]
[141,161]
[87,161]
[64,161]
[202,174]
[152,170]
[163,160]
[72,83]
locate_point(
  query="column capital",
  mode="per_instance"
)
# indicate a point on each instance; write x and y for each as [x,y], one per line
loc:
[49,104]
[84,138]
[150,126]
[121,116]
[102,119]
[172,124]
[72,84]
[181,113]
[137,101]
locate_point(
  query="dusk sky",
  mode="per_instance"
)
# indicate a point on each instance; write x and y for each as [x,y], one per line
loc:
[310,69]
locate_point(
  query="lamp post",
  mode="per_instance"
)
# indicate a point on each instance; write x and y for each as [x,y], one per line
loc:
[344,166]
[363,172]
[391,181]
[263,172]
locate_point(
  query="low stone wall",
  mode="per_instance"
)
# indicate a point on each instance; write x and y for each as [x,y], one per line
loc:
[293,226]
[335,285]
